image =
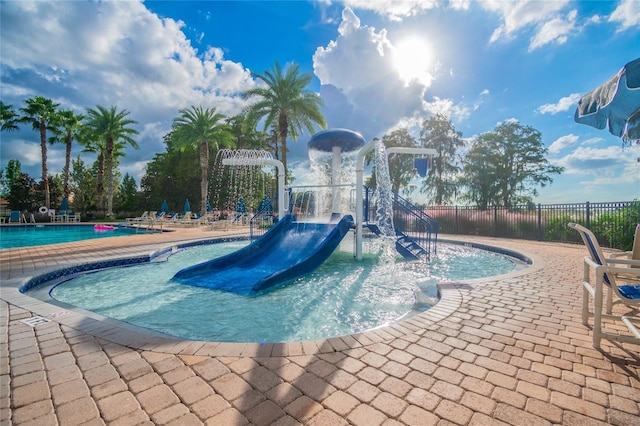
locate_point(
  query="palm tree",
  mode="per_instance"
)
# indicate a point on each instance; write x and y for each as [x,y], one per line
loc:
[8,118]
[96,146]
[198,128]
[40,112]
[67,126]
[112,126]
[285,104]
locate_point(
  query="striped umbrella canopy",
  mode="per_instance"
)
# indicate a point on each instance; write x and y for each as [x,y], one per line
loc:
[615,104]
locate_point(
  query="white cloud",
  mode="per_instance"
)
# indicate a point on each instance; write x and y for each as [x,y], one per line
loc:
[447,108]
[608,165]
[396,10]
[564,104]
[360,85]
[555,31]
[82,54]
[563,142]
[543,16]
[627,14]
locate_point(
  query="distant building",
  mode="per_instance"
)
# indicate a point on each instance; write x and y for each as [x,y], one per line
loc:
[5,210]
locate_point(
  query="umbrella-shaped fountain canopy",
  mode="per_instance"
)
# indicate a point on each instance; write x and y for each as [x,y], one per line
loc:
[615,104]
[336,142]
[347,140]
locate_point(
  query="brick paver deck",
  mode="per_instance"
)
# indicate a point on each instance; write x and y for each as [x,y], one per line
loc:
[504,350]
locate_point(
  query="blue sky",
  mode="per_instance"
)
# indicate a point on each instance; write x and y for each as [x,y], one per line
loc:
[478,62]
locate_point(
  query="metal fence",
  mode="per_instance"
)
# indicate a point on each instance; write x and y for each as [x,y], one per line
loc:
[613,223]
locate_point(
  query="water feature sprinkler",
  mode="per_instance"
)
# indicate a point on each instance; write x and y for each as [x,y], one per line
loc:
[360,181]
[245,159]
[336,141]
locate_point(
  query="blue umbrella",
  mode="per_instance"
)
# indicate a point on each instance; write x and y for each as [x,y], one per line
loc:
[241,207]
[165,207]
[64,206]
[265,205]
[615,104]
[208,206]
[187,206]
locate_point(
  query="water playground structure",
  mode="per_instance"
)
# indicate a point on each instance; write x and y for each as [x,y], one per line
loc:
[313,220]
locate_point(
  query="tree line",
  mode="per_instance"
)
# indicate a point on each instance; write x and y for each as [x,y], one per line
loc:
[501,167]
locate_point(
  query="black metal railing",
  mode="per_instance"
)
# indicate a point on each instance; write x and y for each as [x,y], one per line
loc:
[264,219]
[613,223]
[409,219]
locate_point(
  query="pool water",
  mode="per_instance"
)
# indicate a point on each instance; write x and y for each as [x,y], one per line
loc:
[343,296]
[36,235]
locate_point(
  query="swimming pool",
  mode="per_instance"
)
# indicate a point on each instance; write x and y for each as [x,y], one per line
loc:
[343,296]
[36,235]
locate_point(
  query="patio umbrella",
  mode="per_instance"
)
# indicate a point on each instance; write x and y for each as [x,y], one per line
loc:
[64,205]
[164,207]
[615,104]
[241,206]
[265,205]
[187,206]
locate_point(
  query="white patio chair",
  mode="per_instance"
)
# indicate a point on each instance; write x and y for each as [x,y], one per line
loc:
[607,272]
[138,219]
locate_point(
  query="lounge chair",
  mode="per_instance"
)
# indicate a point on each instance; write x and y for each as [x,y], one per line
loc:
[15,216]
[73,217]
[607,273]
[189,219]
[138,219]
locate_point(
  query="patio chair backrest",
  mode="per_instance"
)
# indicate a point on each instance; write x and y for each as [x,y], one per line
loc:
[14,216]
[590,241]
[635,251]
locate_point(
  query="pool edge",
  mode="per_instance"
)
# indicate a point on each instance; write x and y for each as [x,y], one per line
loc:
[140,338]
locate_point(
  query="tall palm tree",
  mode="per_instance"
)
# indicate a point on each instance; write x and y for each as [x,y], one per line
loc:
[40,112]
[113,127]
[201,129]
[67,126]
[8,118]
[285,104]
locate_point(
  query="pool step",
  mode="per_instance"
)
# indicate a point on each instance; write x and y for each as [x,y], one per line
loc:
[405,245]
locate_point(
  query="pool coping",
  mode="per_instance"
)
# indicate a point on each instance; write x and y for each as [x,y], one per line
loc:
[139,338]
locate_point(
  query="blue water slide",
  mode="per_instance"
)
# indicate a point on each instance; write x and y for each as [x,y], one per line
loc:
[289,250]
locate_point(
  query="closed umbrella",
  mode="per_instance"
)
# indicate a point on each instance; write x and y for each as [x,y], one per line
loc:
[165,207]
[64,205]
[241,206]
[187,206]
[265,205]
[615,104]
[208,206]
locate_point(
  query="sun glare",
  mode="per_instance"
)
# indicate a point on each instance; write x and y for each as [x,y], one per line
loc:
[412,59]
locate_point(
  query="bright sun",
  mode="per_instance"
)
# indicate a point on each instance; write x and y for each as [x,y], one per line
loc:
[412,59]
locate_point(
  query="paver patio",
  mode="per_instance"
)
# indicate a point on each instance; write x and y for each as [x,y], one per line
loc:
[503,350]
